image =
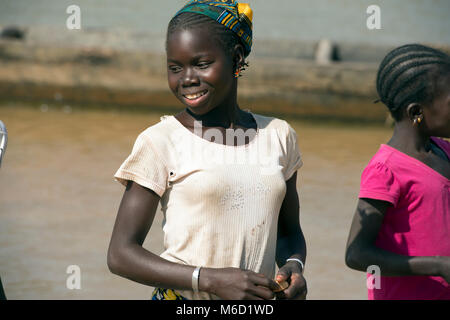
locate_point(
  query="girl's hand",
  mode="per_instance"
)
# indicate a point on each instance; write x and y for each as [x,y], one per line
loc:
[237,284]
[292,273]
[444,268]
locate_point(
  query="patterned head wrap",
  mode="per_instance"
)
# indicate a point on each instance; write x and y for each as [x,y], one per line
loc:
[235,16]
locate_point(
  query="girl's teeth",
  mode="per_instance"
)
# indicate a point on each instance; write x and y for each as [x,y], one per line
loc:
[194,96]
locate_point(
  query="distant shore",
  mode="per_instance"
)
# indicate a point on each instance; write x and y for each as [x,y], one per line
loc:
[127,69]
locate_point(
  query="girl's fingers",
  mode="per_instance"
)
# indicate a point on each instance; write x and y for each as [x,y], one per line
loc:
[296,288]
[282,276]
[282,285]
[262,280]
[280,295]
[263,286]
[263,292]
[301,295]
[296,293]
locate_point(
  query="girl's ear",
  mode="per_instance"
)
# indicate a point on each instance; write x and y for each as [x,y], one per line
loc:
[414,111]
[238,56]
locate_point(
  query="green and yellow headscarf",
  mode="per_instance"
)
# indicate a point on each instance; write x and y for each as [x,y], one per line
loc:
[235,16]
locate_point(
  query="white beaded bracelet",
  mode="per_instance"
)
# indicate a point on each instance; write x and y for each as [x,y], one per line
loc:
[195,279]
[298,260]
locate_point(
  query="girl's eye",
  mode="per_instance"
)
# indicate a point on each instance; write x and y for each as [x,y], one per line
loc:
[203,65]
[174,69]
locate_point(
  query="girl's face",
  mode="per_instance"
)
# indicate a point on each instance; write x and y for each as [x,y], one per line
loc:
[200,73]
[437,113]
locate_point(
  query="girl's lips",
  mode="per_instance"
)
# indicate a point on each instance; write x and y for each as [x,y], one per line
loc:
[195,99]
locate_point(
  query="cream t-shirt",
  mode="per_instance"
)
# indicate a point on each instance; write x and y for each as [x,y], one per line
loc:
[220,202]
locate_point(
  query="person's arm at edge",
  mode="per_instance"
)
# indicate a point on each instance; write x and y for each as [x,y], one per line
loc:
[361,251]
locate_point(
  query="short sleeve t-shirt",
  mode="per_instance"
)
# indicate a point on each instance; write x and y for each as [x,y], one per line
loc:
[220,202]
[417,223]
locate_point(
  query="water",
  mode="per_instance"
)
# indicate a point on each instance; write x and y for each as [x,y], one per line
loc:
[402,21]
[58,201]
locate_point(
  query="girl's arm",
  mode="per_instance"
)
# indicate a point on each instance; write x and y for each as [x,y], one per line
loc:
[127,257]
[361,250]
[291,244]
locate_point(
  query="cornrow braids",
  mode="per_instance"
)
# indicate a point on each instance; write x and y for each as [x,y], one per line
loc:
[410,74]
[189,20]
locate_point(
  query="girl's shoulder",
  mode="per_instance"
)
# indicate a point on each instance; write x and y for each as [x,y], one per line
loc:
[384,154]
[386,158]
[272,123]
[161,129]
[160,134]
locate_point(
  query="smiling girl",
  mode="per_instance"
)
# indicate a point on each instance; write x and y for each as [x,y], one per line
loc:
[226,223]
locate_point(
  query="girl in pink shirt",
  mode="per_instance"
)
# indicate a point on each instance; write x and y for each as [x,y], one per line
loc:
[402,222]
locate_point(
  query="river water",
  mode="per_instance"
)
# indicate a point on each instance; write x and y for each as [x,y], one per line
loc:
[58,200]
[402,21]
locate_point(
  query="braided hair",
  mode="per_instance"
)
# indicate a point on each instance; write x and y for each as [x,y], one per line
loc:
[189,20]
[409,74]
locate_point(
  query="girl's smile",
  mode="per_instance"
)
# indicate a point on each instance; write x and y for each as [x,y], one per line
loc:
[195,99]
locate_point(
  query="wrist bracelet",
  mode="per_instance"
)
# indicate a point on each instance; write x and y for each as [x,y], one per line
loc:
[195,279]
[298,260]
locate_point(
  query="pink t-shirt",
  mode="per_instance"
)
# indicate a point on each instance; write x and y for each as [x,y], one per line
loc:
[417,223]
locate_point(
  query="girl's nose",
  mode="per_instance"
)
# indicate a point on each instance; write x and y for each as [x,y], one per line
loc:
[190,78]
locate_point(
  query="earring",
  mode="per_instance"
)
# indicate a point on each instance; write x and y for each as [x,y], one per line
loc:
[239,69]
[238,72]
